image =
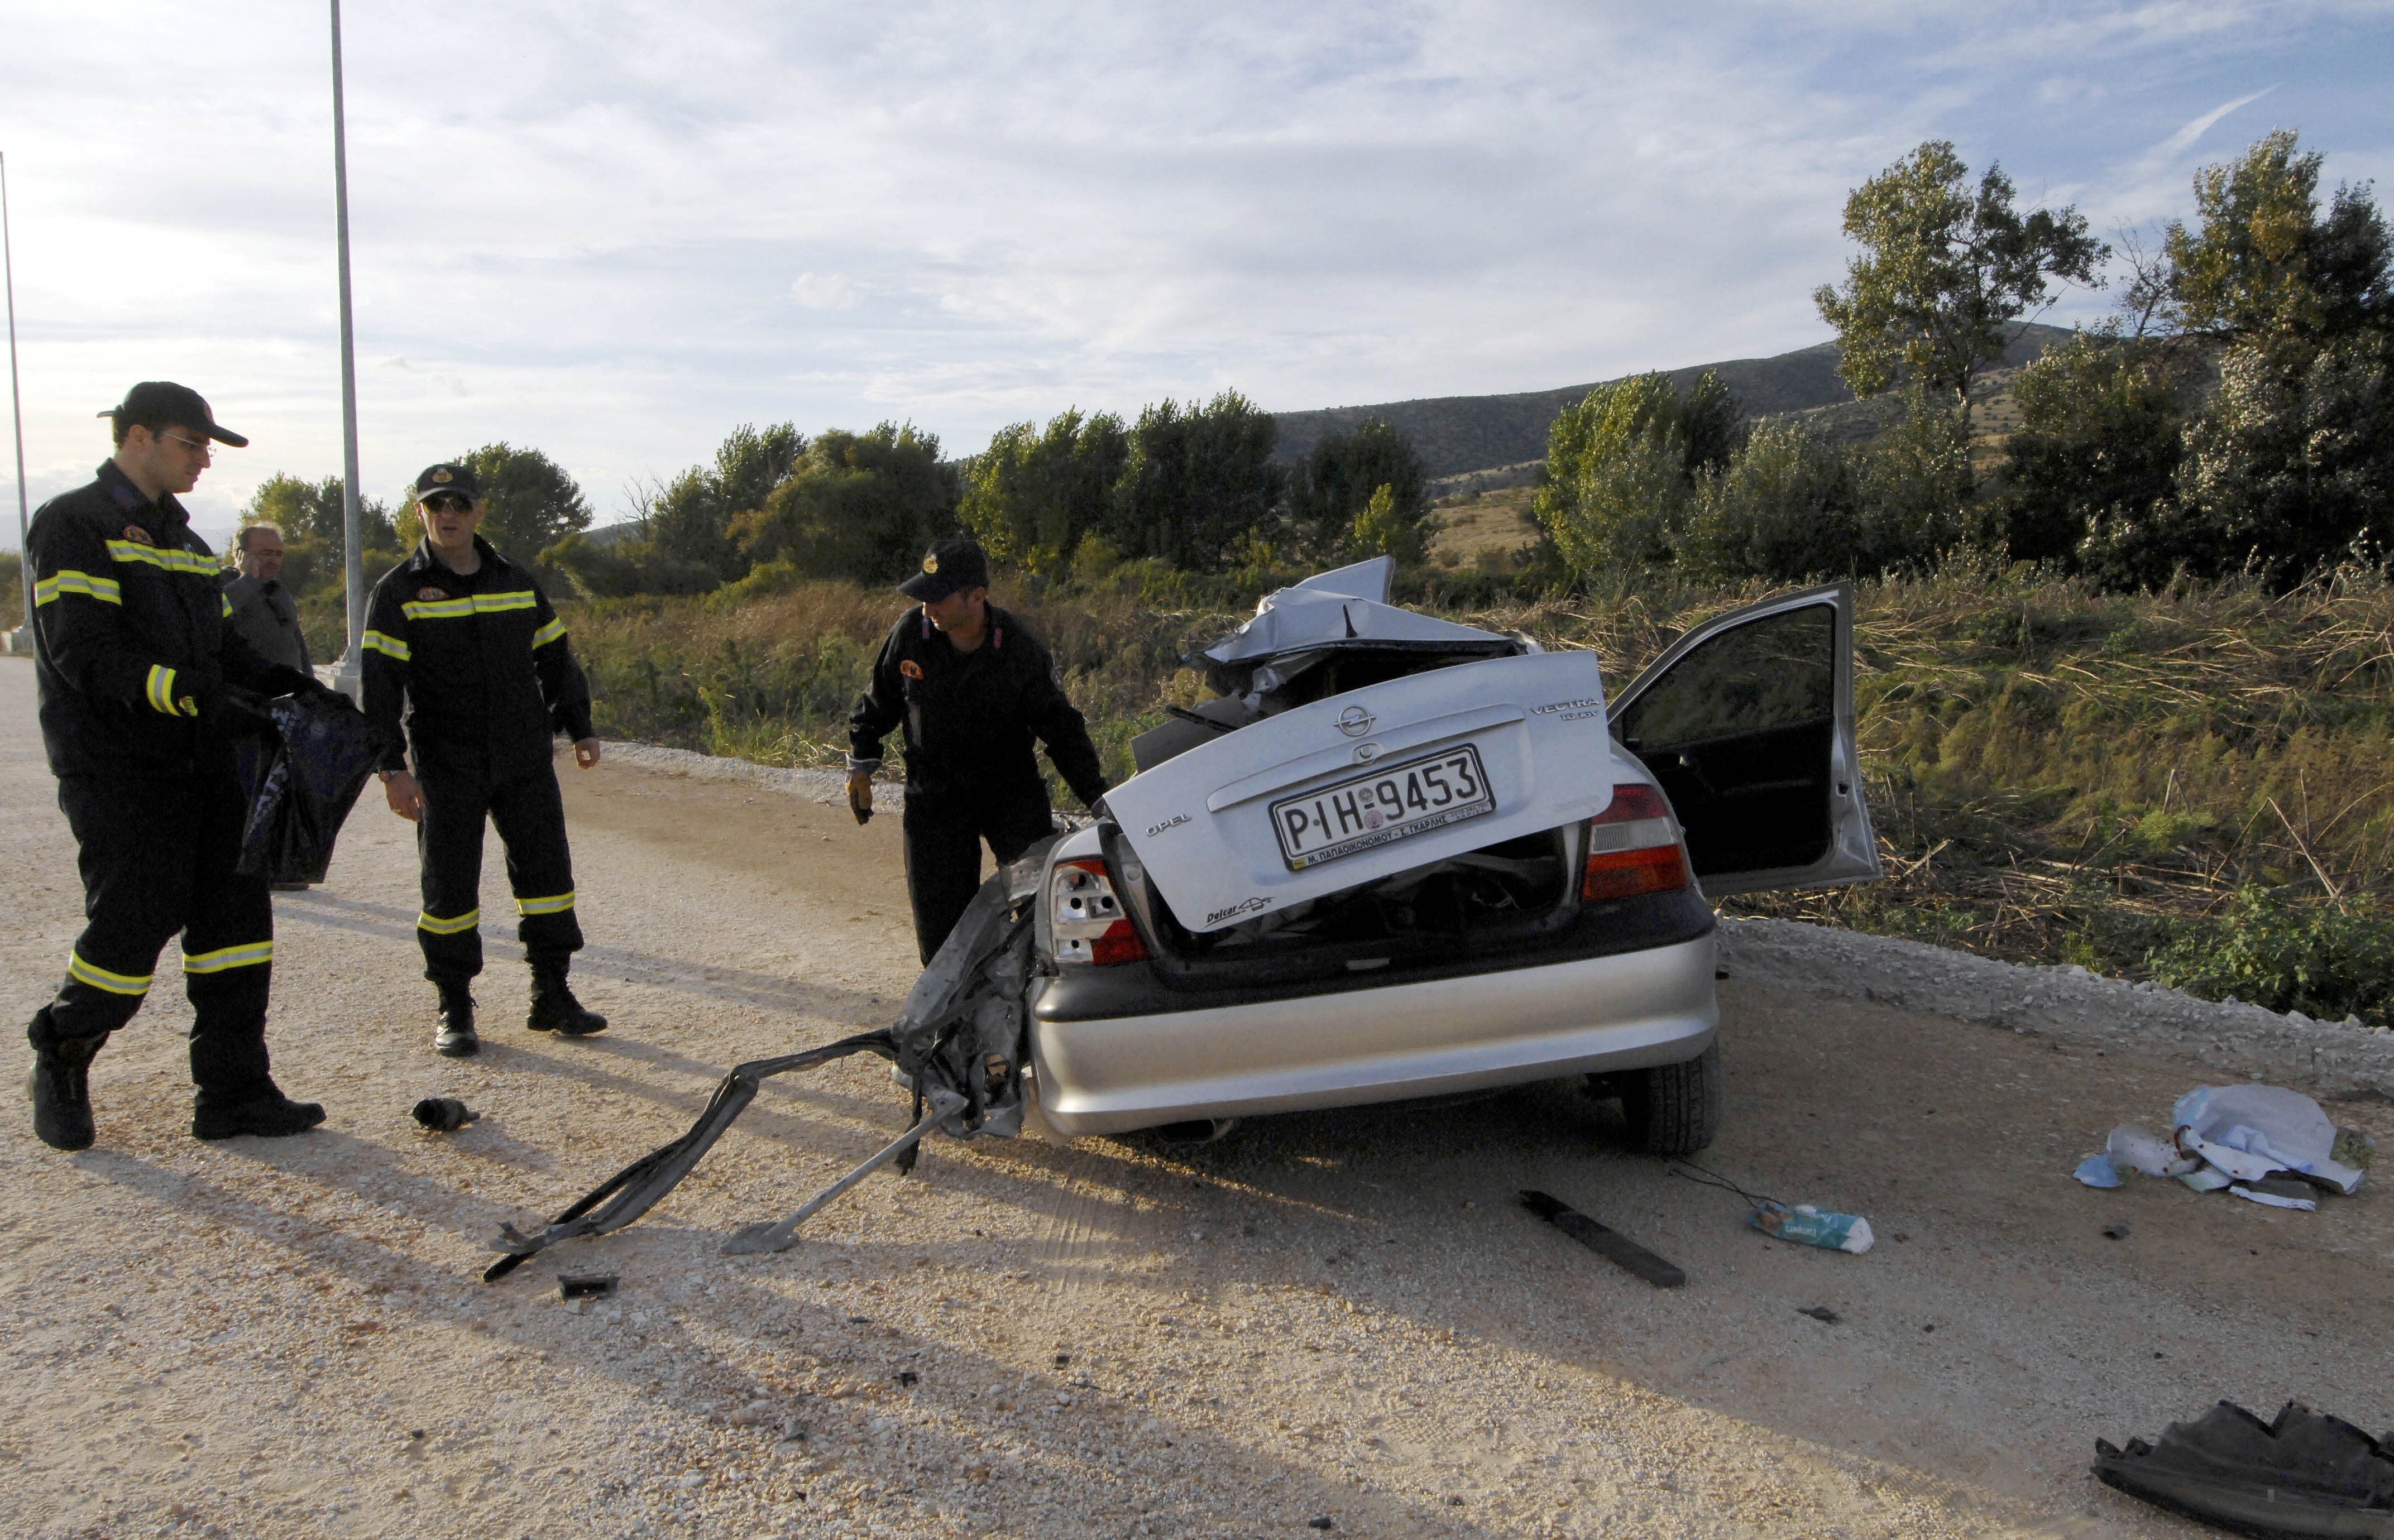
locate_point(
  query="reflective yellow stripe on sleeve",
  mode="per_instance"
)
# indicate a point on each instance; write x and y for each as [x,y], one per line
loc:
[436,925]
[459,609]
[383,642]
[246,955]
[556,904]
[99,978]
[105,590]
[226,599]
[161,689]
[191,562]
[552,631]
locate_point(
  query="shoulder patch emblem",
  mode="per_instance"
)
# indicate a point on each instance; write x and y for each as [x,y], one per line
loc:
[138,535]
[909,667]
[930,563]
[430,595]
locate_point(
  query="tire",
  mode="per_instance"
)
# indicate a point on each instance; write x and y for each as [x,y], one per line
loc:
[1674,1109]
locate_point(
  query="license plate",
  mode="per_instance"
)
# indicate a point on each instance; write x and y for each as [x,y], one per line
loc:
[1382,806]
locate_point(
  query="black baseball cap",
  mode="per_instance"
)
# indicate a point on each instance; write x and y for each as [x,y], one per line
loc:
[157,403]
[950,566]
[448,477]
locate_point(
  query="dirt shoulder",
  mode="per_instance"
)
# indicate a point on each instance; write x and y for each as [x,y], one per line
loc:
[1340,1316]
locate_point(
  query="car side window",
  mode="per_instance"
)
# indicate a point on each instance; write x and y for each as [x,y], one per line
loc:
[1773,672]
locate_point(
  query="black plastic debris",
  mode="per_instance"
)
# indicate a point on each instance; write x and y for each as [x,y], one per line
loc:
[444,1114]
[1609,1244]
[2303,1475]
[2115,1232]
[1823,1314]
[585,1285]
[301,783]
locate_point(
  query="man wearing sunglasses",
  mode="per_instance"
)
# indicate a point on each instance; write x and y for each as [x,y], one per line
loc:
[463,643]
[143,686]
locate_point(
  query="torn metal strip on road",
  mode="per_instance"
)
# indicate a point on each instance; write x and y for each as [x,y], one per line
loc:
[1609,1244]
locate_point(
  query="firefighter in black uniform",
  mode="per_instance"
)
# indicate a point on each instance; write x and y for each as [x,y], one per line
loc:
[464,644]
[972,686]
[143,686]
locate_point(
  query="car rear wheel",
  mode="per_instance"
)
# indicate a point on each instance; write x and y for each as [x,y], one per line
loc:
[1674,1108]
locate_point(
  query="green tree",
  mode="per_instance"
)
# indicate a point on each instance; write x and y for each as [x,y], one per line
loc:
[534,504]
[1621,467]
[689,522]
[1944,272]
[1330,491]
[2102,426]
[1199,482]
[859,506]
[1382,528]
[1786,508]
[2262,265]
[1030,496]
[311,510]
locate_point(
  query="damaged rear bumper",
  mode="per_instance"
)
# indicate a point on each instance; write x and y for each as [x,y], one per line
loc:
[1432,1037]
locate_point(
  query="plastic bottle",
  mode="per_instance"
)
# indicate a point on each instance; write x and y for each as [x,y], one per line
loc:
[1812,1227]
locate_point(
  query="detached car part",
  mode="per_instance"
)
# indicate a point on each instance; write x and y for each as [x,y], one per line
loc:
[2302,1475]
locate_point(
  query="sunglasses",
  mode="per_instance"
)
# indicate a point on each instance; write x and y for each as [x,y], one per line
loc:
[199,444]
[448,502]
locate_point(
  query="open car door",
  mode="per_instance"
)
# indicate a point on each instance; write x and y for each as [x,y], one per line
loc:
[1748,723]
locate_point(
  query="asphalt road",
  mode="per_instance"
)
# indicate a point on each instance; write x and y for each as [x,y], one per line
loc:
[1341,1317]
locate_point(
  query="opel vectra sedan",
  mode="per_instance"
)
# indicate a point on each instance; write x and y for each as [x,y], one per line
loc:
[1401,858]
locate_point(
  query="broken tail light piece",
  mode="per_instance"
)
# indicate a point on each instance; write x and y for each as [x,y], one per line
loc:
[1086,919]
[1633,847]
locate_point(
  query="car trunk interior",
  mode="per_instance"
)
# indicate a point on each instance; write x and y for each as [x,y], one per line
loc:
[1489,898]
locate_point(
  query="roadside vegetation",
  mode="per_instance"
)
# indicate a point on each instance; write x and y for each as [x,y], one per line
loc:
[2126,634]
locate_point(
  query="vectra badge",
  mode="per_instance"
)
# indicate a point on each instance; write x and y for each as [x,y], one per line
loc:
[1355,721]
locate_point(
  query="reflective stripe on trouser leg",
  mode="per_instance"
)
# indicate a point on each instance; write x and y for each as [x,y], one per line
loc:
[228,958]
[529,815]
[449,847]
[137,842]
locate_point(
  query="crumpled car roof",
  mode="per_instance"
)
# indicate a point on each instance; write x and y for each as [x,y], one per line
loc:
[1346,605]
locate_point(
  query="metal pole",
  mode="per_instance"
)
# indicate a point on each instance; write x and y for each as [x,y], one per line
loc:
[17,405]
[352,537]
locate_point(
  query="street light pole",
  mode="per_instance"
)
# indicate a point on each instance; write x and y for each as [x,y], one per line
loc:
[353,556]
[23,641]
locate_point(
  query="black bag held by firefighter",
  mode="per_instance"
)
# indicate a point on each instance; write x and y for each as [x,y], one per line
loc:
[302,783]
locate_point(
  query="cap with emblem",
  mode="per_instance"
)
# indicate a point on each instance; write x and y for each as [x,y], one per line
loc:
[950,566]
[437,480]
[162,404]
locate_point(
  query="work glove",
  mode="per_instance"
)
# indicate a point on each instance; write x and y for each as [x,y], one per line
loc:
[232,712]
[860,795]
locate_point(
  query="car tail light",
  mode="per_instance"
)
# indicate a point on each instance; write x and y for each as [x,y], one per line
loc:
[1633,847]
[1086,918]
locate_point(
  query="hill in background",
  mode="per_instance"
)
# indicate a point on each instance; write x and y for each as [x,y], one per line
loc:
[1460,434]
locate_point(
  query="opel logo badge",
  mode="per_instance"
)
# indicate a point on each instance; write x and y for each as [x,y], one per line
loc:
[1355,721]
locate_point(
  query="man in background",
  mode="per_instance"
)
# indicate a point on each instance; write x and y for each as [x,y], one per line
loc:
[971,686]
[263,611]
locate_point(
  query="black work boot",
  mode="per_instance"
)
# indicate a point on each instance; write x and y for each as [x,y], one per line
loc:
[456,1038]
[268,1114]
[554,1008]
[62,1092]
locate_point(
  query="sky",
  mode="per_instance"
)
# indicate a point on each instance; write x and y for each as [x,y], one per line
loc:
[617,229]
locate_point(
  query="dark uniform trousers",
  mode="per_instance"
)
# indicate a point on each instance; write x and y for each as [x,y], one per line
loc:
[157,856]
[943,836]
[529,815]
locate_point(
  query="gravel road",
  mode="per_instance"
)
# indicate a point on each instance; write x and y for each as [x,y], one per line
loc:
[1334,1320]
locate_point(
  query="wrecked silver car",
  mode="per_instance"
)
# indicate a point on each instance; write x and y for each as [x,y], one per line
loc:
[1401,857]
[1394,857]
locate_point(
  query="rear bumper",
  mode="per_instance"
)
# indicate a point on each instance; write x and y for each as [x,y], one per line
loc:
[1432,1037]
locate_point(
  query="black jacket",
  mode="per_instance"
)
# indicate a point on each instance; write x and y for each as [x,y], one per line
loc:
[478,665]
[129,634]
[970,717]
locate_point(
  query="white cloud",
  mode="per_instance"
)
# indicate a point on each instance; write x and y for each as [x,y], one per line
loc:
[575,224]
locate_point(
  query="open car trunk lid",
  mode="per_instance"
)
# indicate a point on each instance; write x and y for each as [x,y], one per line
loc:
[1370,782]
